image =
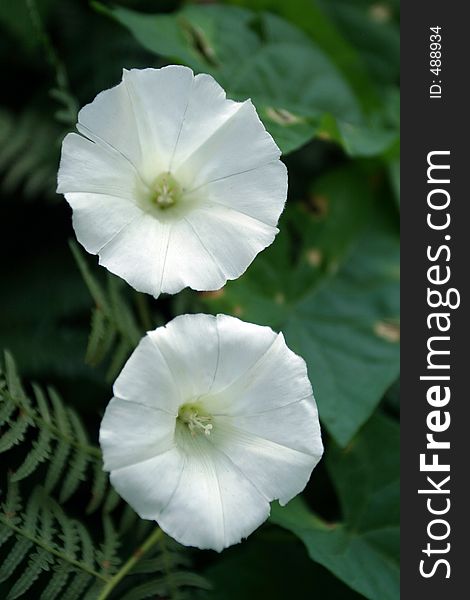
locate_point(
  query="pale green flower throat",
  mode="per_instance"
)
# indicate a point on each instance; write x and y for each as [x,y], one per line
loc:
[165,191]
[195,419]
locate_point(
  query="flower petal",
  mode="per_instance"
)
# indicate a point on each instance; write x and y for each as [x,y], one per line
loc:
[138,253]
[276,379]
[98,218]
[231,238]
[130,434]
[233,363]
[190,346]
[159,99]
[110,121]
[208,109]
[189,264]
[214,505]
[148,486]
[241,145]
[260,193]
[147,380]
[276,451]
[89,167]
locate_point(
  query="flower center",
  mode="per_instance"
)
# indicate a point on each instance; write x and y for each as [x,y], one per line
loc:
[195,419]
[165,191]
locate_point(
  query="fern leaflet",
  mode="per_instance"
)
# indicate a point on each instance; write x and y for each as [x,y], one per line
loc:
[60,438]
[113,324]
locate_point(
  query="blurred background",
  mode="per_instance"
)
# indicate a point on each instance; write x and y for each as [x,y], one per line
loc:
[323,75]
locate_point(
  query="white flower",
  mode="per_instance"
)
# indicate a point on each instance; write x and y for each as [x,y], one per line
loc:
[170,183]
[212,419]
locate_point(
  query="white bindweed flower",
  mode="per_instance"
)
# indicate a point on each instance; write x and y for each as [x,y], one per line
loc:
[212,419]
[171,183]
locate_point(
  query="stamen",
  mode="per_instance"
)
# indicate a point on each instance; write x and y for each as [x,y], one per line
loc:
[166,191]
[195,420]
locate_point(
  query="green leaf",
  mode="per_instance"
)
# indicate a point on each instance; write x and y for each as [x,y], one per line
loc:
[38,562]
[78,464]
[314,21]
[363,550]
[293,83]
[211,39]
[42,446]
[98,489]
[56,583]
[60,437]
[272,564]
[75,590]
[373,30]
[15,556]
[114,329]
[330,283]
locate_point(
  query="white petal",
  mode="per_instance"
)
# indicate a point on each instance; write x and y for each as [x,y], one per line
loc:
[148,486]
[214,504]
[207,110]
[138,253]
[110,120]
[159,98]
[97,218]
[277,378]
[190,346]
[260,193]
[89,167]
[276,450]
[231,238]
[242,345]
[240,145]
[146,379]
[189,264]
[131,434]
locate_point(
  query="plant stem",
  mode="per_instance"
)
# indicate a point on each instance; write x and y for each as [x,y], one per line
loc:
[153,538]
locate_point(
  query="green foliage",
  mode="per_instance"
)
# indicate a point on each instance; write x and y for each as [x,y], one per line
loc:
[46,548]
[362,550]
[57,434]
[43,542]
[28,163]
[329,252]
[297,89]
[114,330]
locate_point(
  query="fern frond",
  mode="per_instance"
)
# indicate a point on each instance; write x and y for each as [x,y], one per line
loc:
[41,449]
[101,338]
[45,548]
[57,582]
[98,488]
[78,464]
[75,590]
[114,330]
[29,162]
[46,540]
[112,500]
[60,438]
[107,555]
